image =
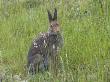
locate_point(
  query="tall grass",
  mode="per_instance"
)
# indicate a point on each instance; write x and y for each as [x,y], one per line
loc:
[85,26]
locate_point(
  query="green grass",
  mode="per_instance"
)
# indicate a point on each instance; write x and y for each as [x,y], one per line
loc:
[86,30]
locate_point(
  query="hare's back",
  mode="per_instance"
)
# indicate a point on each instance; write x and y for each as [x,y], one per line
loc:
[38,46]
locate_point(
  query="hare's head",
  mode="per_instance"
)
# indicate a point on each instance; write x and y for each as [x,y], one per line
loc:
[53,23]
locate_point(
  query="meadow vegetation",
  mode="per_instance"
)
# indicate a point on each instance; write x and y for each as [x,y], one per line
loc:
[85,25]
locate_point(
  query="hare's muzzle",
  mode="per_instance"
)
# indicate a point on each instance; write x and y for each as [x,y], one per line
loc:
[54,26]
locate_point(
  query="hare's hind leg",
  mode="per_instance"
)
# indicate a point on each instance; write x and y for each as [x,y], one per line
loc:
[43,66]
[34,63]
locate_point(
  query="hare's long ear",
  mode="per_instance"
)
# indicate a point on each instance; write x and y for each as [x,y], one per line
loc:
[49,16]
[55,14]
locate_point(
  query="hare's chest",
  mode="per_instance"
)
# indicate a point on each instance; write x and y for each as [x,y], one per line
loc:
[53,43]
[52,40]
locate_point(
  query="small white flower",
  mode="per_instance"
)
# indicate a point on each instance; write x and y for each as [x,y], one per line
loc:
[44,41]
[53,46]
[16,77]
[44,35]
[41,34]
[36,46]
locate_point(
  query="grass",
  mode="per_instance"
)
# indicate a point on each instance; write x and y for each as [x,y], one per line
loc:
[85,56]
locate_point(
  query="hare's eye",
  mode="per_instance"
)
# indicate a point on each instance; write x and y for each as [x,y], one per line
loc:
[51,25]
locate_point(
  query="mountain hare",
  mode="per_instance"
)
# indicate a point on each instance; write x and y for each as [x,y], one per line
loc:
[43,52]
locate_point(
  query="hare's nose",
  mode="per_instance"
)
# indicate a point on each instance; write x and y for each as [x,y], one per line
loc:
[56,29]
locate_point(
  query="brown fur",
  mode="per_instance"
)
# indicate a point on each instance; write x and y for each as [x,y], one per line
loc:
[43,52]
